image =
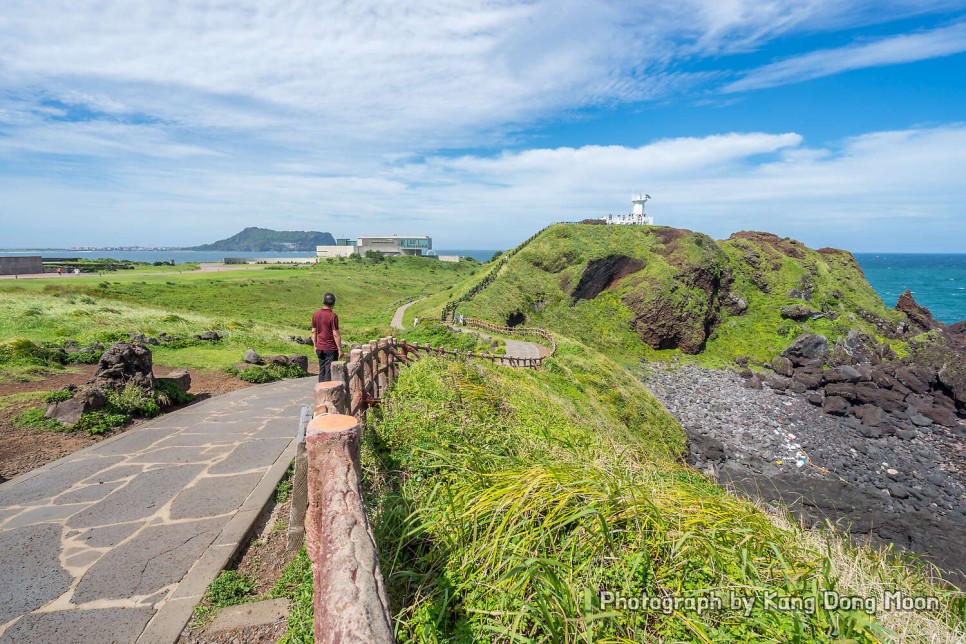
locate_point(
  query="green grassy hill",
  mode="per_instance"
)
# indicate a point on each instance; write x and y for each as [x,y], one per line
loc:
[266,240]
[656,292]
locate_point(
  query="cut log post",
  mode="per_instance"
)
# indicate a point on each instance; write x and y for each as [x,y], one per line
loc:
[383,365]
[391,357]
[350,602]
[355,381]
[367,374]
[339,373]
[374,357]
[330,398]
[300,488]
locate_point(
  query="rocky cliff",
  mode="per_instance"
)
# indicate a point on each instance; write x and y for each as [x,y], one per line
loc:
[633,289]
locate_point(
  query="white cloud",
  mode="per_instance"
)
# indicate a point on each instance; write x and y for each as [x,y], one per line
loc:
[880,191]
[209,116]
[905,48]
[447,73]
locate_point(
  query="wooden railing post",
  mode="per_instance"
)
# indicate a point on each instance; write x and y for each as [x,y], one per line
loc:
[300,490]
[350,602]
[383,364]
[330,398]
[354,370]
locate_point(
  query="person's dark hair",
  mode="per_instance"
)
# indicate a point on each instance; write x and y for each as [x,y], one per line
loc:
[328,299]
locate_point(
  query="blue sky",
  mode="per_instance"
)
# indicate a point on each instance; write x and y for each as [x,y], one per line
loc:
[175,123]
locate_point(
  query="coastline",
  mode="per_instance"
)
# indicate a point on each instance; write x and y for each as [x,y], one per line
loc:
[909,493]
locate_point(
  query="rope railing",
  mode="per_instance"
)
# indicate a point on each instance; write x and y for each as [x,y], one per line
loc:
[450,307]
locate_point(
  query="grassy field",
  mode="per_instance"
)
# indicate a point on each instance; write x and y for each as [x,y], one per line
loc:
[256,309]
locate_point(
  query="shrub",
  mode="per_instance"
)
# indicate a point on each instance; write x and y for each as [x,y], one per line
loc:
[58,395]
[34,419]
[283,490]
[169,394]
[229,588]
[97,422]
[270,373]
[133,401]
[82,357]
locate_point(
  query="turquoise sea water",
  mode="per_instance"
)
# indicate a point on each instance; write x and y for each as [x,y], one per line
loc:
[937,281]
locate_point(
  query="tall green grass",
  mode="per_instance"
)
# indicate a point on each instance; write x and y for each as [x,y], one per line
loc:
[505,501]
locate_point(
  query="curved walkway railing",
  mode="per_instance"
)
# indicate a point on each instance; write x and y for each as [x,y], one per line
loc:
[350,602]
[526,331]
[450,307]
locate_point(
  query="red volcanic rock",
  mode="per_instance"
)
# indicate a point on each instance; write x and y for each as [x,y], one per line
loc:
[919,318]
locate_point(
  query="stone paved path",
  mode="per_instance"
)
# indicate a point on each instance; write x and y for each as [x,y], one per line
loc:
[514,348]
[397,317]
[117,542]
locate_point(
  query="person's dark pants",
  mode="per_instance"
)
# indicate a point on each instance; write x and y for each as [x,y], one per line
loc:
[326,358]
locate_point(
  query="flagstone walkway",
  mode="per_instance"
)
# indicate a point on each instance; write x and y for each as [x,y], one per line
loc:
[117,542]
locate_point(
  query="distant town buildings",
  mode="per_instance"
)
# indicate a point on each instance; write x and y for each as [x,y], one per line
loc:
[637,216]
[385,244]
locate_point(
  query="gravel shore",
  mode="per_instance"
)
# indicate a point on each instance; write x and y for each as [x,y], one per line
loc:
[782,449]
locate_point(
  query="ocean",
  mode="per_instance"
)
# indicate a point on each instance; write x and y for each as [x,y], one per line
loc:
[937,281]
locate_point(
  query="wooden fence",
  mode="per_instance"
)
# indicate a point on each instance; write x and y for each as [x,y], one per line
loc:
[350,602]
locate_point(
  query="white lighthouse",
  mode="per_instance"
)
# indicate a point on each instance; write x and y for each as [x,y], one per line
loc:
[637,217]
[637,214]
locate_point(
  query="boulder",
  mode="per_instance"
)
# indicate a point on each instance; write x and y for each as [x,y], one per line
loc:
[782,366]
[956,334]
[125,363]
[860,348]
[797,312]
[210,335]
[735,304]
[300,361]
[778,383]
[808,349]
[909,378]
[85,399]
[815,398]
[835,405]
[844,373]
[180,378]
[754,382]
[886,399]
[918,318]
[807,378]
[278,359]
[844,390]
[940,415]
[870,415]
[253,358]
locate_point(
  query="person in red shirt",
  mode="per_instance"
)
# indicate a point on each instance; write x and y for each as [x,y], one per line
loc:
[325,337]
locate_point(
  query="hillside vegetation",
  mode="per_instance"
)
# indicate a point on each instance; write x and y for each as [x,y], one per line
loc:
[508,503]
[266,240]
[656,292]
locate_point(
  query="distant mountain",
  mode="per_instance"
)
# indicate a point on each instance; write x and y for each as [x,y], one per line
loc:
[258,240]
